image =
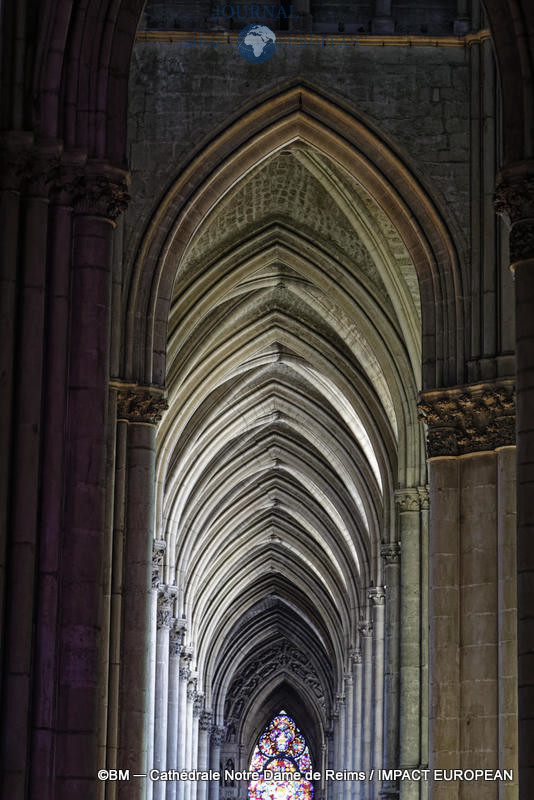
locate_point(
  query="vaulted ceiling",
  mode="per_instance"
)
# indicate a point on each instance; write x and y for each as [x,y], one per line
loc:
[293,358]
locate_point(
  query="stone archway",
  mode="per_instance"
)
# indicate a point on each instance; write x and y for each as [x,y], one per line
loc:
[95,129]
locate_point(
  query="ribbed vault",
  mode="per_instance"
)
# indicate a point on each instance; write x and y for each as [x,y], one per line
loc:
[293,364]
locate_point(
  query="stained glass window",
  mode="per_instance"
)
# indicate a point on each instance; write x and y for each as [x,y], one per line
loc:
[281,748]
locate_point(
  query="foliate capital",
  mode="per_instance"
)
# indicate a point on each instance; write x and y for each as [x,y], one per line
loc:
[218,735]
[166,598]
[390,552]
[365,627]
[198,704]
[469,419]
[185,663]
[158,552]
[192,689]
[514,201]
[514,197]
[141,404]
[377,595]
[176,636]
[205,721]
[101,191]
[175,642]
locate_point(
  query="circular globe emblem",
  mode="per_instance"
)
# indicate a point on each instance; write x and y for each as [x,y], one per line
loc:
[256,43]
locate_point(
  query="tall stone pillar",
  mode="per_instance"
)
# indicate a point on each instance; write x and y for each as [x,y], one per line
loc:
[175,649]
[349,719]
[515,201]
[356,657]
[25,202]
[158,552]
[377,596]
[141,407]
[340,743]
[217,738]
[204,729]
[198,705]
[166,598]
[366,639]
[391,554]
[507,603]
[189,732]
[99,194]
[465,427]
[185,675]
[410,505]
[329,763]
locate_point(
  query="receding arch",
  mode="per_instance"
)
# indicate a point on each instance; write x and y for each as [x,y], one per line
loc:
[298,113]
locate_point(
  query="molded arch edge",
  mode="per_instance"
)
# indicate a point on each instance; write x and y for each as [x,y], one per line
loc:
[298,113]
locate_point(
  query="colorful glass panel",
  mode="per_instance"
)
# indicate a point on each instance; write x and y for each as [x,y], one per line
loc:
[281,749]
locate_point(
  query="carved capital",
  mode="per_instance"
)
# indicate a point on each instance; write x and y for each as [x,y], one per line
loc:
[514,201]
[377,595]
[356,655]
[192,690]
[424,497]
[101,191]
[175,643]
[522,241]
[514,197]
[390,552]
[365,627]
[469,419]
[205,720]
[144,404]
[218,734]
[26,166]
[198,704]
[158,552]
[185,663]
[166,597]
[407,500]
[176,637]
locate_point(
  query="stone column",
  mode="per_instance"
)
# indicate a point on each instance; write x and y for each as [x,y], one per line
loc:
[515,201]
[507,610]
[328,762]
[158,552]
[465,427]
[217,738]
[349,722]
[391,555]
[166,598]
[340,740]
[377,596]
[198,704]
[185,675]
[175,649]
[141,407]
[205,726]
[191,696]
[409,506]
[22,441]
[99,194]
[366,639]
[356,657]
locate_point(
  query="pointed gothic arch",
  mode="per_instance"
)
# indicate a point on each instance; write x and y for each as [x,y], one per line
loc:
[298,113]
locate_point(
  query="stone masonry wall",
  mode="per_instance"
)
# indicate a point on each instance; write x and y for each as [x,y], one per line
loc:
[419,97]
